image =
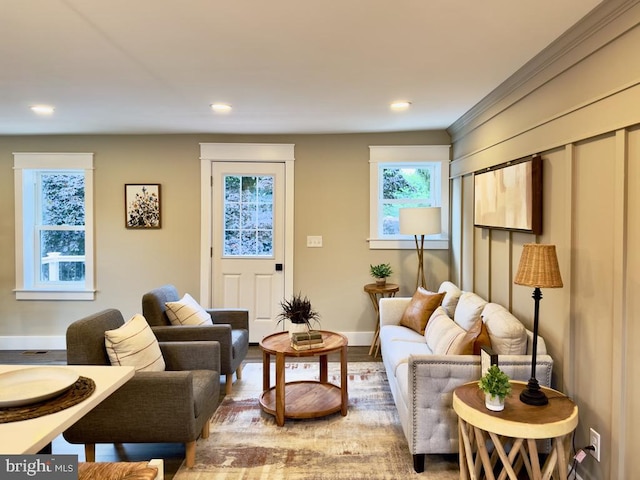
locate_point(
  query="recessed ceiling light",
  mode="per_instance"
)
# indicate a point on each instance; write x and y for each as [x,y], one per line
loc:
[42,109]
[220,107]
[401,105]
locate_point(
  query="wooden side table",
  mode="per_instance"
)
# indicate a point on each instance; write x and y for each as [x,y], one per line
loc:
[513,430]
[376,292]
[306,398]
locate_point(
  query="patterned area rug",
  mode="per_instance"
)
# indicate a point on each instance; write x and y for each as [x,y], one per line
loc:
[367,444]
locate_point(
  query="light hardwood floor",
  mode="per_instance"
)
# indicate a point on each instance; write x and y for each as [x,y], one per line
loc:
[171,453]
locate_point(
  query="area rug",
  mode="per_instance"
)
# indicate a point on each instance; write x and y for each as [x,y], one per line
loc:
[367,444]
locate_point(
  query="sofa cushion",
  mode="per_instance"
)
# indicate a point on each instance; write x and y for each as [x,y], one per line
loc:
[508,336]
[475,338]
[187,311]
[134,344]
[420,308]
[443,335]
[469,309]
[400,342]
[452,295]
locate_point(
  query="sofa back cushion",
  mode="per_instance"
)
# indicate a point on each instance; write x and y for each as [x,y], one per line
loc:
[508,336]
[451,297]
[469,309]
[444,336]
[420,308]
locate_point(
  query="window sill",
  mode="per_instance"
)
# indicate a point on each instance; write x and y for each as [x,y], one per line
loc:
[429,244]
[55,294]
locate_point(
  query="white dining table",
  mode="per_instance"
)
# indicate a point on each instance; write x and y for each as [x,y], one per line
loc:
[31,436]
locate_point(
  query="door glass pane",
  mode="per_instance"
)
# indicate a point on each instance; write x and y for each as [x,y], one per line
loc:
[248,215]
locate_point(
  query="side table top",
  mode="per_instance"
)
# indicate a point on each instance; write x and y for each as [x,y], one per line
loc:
[281,343]
[386,288]
[517,420]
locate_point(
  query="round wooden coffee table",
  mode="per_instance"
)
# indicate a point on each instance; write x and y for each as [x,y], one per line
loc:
[305,398]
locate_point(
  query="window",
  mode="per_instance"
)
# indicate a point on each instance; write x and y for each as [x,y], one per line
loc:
[407,176]
[54,226]
[248,215]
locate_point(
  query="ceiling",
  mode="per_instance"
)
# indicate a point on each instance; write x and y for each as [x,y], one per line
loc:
[286,66]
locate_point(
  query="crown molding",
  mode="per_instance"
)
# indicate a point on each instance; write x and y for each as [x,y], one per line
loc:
[605,23]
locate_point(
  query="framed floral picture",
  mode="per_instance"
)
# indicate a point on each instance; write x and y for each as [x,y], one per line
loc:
[142,205]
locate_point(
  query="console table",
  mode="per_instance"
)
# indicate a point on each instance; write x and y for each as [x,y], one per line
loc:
[517,427]
[307,398]
[376,292]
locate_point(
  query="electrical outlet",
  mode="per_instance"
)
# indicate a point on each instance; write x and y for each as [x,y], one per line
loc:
[594,440]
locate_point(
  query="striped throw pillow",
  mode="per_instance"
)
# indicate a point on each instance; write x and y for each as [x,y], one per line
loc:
[187,312]
[134,344]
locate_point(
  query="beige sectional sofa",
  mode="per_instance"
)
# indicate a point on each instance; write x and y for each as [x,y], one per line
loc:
[424,369]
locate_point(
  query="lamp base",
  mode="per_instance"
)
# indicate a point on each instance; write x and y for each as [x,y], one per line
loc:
[532,395]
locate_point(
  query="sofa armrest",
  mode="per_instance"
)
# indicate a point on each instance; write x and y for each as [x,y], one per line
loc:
[446,372]
[198,355]
[236,317]
[391,310]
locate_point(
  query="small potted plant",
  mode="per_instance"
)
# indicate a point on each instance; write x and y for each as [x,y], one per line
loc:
[496,386]
[299,312]
[380,272]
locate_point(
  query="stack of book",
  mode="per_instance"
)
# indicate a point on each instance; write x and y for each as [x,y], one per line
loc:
[306,340]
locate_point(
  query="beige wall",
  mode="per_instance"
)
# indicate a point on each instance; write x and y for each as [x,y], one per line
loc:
[583,120]
[331,199]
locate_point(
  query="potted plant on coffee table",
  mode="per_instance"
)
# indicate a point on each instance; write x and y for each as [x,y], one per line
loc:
[380,272]
[496,386]
[299,312]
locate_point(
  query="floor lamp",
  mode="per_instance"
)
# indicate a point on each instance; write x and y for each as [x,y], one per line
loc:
[420,221]
[539,269]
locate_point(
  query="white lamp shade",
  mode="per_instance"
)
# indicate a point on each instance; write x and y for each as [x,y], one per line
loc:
[420,221]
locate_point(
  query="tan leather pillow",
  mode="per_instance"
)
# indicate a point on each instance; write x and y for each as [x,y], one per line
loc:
[422,305]
[473,340]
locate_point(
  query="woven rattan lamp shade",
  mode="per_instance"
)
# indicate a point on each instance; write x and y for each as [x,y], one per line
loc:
[539,267]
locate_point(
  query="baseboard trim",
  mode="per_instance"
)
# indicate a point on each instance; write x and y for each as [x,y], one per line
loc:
[359,339]
[356,339]
[33,342]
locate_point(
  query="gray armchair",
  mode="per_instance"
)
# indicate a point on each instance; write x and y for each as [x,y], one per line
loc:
[230,328]
[172,406]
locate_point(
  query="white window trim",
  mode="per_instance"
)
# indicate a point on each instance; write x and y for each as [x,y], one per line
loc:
[408,154]
[53,161]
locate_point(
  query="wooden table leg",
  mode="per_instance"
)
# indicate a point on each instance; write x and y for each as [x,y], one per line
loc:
[324,369]
[484,454]
[343,381]
[266,371]
[280,389]
[376,308]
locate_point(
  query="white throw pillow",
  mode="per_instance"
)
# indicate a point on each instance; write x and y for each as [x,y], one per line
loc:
[443,335]
[469,309]
[452,295]
[134,344]
[187,312]
[508,336]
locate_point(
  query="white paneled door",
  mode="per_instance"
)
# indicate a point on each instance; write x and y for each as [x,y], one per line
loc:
[248,233]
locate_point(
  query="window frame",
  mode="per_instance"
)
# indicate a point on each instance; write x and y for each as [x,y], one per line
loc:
[28,284]
[415,156]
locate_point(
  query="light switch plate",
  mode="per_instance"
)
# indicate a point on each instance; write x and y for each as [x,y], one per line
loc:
[314,241]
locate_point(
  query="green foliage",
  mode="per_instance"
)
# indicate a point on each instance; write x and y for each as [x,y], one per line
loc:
[382,270]
[495,382]
[298,310]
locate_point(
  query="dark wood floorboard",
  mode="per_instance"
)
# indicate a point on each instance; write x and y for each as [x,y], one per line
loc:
[171,453]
